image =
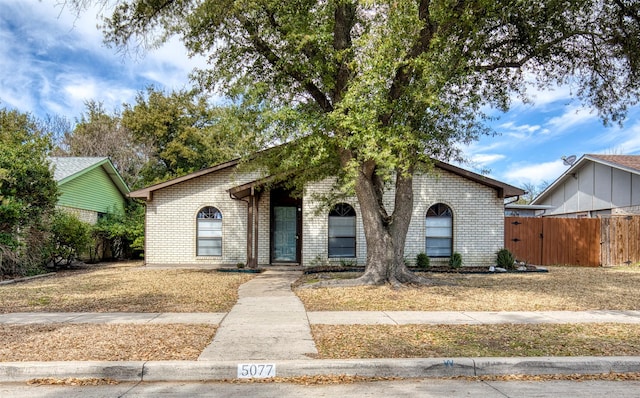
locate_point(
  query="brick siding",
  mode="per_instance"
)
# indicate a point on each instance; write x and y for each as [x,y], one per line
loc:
[478,220]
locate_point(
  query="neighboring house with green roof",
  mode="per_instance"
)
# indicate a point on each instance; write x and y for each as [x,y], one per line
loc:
[89,186]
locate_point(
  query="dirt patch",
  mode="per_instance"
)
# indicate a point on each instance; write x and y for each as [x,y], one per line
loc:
[90,342]
[561,289]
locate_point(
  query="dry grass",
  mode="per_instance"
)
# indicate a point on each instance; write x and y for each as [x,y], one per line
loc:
[562,288]
[125,287]
[89,342]
[423,341]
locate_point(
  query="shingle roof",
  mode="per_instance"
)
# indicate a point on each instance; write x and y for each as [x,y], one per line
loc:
[503,190]
[628,161]
[66,167]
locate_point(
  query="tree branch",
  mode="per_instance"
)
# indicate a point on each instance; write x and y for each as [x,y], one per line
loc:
[263,48]
[344,19]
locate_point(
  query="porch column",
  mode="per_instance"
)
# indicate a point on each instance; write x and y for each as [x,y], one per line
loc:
[252,230]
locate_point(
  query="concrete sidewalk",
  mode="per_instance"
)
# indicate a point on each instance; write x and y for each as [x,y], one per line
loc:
[25,318]
[468,317]
[325,317]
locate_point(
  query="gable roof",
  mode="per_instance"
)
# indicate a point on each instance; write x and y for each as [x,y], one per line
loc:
[66,169]
[503,190]
[629,163]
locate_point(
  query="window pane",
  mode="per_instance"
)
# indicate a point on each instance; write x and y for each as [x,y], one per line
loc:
[439,231]
[342,247]
[209,213]
[342,231]
[342,226]
[209,247]
[438,247]
[439,222]
[210,228]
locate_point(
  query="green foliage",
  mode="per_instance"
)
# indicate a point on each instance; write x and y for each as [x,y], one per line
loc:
[505,259]
[28,192]
[423,261]
[98,133]
[182,132]
[455,261]
[124,232]
[386,84]
[69,238]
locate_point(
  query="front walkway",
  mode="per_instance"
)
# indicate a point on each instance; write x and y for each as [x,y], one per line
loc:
[268,322]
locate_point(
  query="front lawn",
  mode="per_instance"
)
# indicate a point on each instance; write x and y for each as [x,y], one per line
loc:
[561,289]
[452,341]
[125,287]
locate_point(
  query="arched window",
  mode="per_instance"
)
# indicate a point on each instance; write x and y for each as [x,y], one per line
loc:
[209,232]
[439,236]
[342,231]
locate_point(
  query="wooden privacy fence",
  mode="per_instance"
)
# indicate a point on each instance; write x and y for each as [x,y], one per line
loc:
[620,240]
[609,240]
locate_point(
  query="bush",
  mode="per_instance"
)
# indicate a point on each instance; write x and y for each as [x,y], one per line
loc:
[456,260]
[69,238]
[124,233]
[423,261]
[505,259]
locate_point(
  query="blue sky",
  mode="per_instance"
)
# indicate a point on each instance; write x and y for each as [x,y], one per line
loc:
[51,62]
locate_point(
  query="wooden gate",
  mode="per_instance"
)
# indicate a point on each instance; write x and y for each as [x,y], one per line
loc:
[620,240]
[550,241]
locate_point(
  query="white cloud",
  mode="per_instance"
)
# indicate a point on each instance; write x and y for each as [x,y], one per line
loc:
[485,159]
[620,141]
[572,117]
[52,61]
[520,174]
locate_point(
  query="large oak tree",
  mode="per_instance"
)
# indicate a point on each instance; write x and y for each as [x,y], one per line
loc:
[370,91]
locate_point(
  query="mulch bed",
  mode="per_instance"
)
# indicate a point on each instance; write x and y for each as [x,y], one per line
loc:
[435,269]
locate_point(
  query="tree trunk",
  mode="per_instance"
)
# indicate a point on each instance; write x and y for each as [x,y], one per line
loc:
[386,235]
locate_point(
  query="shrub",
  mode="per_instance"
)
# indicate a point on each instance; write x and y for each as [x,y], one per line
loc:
[456,260]
[124,233]
[423,261]
[69,238]
[505,259]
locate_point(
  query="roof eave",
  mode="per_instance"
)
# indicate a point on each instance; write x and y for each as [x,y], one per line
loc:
[502,189]
[146,194]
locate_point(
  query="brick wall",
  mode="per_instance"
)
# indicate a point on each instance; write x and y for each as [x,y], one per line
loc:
[87,216]
[478,220]
[171,220]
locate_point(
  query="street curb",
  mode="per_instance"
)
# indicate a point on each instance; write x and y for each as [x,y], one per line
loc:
[134,371]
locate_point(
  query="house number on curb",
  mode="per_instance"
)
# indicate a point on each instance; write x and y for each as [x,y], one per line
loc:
[256,370]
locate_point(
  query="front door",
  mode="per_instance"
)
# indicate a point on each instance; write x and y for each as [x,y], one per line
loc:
[285,228]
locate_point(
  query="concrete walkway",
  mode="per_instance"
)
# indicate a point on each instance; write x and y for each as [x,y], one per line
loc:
[268,322]
[328,317]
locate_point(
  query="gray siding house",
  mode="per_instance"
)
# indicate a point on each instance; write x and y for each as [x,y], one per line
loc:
[222,216]
[595,185]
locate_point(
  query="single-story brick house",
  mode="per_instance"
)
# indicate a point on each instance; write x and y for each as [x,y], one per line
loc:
[222,216]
